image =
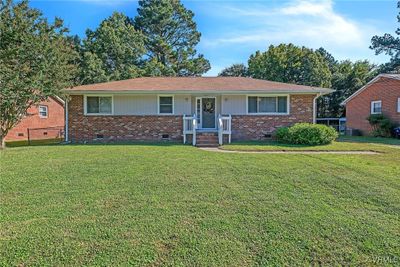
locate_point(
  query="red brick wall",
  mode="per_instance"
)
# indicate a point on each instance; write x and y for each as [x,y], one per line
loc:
[55,119]
[254,127]
[120,128]
[151,128]
[359,108]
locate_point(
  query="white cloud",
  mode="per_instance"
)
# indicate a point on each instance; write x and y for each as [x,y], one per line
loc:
[302,22]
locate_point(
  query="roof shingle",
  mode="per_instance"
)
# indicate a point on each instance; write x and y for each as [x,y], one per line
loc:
[197,84]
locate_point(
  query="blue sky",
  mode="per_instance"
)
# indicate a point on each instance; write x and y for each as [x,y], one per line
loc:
[232,30]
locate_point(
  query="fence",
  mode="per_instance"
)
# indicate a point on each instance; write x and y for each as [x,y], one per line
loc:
[338,123]
[53,134]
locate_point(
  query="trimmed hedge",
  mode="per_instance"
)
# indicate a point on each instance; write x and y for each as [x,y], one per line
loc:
[307,134]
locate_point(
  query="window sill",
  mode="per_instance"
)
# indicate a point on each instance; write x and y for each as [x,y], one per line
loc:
[268,114]
[98,114]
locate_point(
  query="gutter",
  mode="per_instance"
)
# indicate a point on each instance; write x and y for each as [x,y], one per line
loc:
[315,107]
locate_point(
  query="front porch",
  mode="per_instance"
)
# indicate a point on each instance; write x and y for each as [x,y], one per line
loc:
[204,136]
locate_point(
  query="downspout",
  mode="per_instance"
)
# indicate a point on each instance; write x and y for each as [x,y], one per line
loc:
[66,121]
[315,108]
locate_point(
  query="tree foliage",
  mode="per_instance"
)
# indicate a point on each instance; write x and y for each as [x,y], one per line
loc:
[291,64]
[389,45]
[113,51]
[36,61]
[235,70]
[170,38]
[300,65]
[347,78]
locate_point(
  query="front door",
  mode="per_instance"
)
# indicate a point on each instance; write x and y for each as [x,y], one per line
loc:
[208,113]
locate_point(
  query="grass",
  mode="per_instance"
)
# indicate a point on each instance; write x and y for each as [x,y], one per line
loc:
[342,144]
[177,205]
[39,142]
[373,140]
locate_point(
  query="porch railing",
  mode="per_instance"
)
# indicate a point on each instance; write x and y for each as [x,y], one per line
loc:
[224,128]
[189,127]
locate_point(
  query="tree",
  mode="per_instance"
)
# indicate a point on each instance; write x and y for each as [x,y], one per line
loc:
[36,61]
[390,45]
[170,38]
[236,70]
[291,64]
[114,51]
[347,78]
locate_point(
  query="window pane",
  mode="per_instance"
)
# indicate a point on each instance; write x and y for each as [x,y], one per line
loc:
[43,111]
[165,100]
[267,104]
[105,105]
[92,104]
[282,104]
[252,104]
[166,109]
[377,108]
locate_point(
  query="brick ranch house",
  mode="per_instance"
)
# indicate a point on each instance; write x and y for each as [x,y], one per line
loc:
[380,95]
[190,109]
[43,121]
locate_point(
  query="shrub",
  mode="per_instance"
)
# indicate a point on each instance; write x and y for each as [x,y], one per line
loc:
[307,134]
[282,134]
[381,125]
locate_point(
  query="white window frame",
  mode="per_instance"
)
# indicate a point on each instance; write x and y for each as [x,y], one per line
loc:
[47,111]
[268,113]
[98,114]
[158,104]
[398,104]
[372,106]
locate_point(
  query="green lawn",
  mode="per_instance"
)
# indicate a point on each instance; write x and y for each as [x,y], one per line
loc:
[177,205]
[342,144]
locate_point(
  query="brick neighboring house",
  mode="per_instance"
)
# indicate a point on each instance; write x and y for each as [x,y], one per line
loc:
[196,109]
[380,95]
[45,121]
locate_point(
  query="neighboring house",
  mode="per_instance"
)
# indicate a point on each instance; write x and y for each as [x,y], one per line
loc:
[168,107]
[380,96]
[43,121]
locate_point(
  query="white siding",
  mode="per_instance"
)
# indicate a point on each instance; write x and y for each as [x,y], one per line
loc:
[147,104]
[233,104]
[183,104]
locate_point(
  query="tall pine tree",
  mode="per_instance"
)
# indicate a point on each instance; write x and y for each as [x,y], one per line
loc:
[170,38]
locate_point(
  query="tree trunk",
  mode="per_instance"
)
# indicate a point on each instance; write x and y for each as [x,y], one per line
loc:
[2,142]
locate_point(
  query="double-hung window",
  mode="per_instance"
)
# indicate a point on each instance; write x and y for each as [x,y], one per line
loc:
[43,111]
[376,107]
[166,105]
[101,105]
[267,104]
